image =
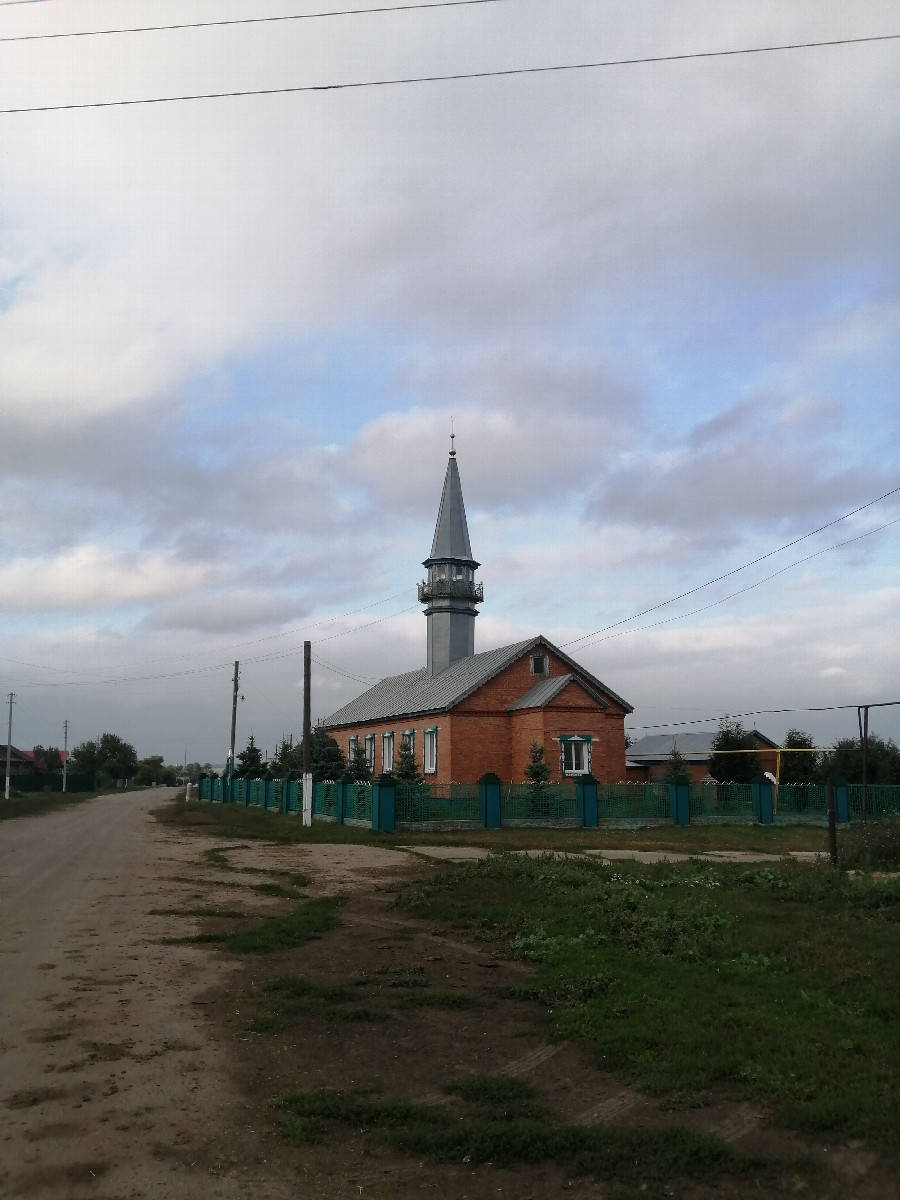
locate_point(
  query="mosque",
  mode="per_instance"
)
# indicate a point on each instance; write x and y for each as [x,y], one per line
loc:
[464,714]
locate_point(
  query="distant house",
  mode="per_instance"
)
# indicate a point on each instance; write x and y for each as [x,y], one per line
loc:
[646,759]
[464,714]
[20,761]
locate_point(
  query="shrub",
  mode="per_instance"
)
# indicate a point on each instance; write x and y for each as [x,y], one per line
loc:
[874,846]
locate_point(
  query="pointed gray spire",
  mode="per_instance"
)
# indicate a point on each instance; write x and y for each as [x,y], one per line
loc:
[451,533]
[450,592]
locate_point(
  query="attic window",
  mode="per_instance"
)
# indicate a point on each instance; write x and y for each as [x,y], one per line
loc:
[540,664]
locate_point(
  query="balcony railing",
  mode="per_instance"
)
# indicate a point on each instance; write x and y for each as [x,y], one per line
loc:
[451,589]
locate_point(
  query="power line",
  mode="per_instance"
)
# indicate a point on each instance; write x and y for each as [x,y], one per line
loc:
[750,586]
[736,570]
[453,77]
[763,712]
[315,16]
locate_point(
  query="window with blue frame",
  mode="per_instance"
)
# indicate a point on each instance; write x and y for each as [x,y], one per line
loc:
[369,746]
[575,754]
[387,752]
[429,750]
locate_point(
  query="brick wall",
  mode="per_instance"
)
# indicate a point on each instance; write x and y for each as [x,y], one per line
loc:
[480,735]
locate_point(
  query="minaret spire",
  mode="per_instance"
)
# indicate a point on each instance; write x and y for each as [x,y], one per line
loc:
[450,592]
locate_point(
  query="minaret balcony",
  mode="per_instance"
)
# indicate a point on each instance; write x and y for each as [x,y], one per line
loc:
[451,589]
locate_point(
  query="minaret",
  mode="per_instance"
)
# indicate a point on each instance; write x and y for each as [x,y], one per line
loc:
[450,592]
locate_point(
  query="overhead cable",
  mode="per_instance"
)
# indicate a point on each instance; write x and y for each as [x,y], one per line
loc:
[314,16]
[451,77]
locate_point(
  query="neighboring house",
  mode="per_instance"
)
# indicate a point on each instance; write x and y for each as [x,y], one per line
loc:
[647,758]
[20,761]
[465,714]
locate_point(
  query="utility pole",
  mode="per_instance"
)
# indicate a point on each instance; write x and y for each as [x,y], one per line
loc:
[65,751]
[9,742]
[307,735]
[862,716]
[229,770]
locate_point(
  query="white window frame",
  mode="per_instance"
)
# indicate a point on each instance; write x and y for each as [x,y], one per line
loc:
[429,750]
[387,752]
[408,738]
[352,743]
[575,739]
[369,747]
[542,658]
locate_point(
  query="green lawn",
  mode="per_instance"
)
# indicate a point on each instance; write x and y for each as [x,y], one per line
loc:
[702,981]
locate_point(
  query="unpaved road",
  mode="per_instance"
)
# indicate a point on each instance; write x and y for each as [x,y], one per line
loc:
[111,1081]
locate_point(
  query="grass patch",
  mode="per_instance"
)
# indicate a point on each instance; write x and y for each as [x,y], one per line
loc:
[874,846]
[310,920]
[270,934]
[271,888]
[288,997]
[35,804]
[437,998]
[225,914]
[500,1135]
[777,984]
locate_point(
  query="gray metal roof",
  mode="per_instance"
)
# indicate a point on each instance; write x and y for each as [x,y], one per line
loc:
[693,747]
[542,693]
[418,692]
[451,533]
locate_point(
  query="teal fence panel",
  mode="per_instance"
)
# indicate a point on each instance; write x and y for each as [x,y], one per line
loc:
[882,800]
[632,804]
[204,788]
[239,791]
[358,804]
[539,804]
[726,802]
[294,797]
[325,800]
[449,804]
[801,804]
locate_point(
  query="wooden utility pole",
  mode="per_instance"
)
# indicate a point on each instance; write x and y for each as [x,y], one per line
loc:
[234,700]
[307,736]
[65,751]
[307,732]
[862,715]
[9,742]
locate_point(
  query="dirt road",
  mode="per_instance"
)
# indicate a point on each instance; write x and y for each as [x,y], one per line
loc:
[111,1082]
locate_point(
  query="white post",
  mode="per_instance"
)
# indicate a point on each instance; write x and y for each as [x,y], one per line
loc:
[307,799]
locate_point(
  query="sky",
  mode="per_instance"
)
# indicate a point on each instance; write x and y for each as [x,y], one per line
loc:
[659,301]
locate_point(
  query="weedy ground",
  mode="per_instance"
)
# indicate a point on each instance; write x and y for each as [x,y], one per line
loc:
[547,1026]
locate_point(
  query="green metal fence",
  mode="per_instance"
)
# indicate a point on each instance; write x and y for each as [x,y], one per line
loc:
[324,805]
[450,805]
[800,804]
[358,804]
[711,803]
[539,804]
[882,800]
[630,804]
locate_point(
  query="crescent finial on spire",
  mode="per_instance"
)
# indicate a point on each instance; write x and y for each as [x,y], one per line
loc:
[452,436]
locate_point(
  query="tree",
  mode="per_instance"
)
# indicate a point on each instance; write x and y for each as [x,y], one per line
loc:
[326,759]
[801,765]
[109,757]
[537,772]
[676,768]
[249,761]
[153,770]
[48,760]
[406,770]
[359,764]
[288,759]
[845,761]
[729,767]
